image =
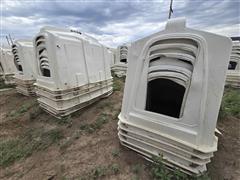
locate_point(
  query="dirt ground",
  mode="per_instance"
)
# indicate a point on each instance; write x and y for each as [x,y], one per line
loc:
[83,153]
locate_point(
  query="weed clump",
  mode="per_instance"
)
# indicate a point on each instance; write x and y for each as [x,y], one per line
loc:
[160,171]
[21,110]
[118,83]
[115,153]
[230,104]
[68,142]
[100,121]
[3,85]
[65,121]
[36,111]
[100,172]
[23,146]
[115,168]
[136,168]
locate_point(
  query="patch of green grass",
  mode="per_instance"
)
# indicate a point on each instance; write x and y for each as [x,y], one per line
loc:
[100,172]
[230,103]
[115,168]
[135,177]
[89,128]
[116,86]
[21,110]
[115,152]
[65,121]
[11,150]
[159,171]
[70,140]
[178,175]
[100,121]
[3,85]
[137,168]
[115,112]
[35,112]
[118,83]
[204,176]
[23,146]
[52,136]
[105,103]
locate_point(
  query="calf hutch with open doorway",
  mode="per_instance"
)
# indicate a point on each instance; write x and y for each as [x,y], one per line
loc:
[7,67]
[25,63]
[233,73]
[73,70]
[174,85]
[120,66]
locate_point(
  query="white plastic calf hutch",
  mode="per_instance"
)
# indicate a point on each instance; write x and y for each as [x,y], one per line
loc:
[25,63]
[120,66]
[172,95]
[111,56]
[73,70]
[7,67]
[233,73]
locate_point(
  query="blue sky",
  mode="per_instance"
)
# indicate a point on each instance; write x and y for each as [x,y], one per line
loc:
[116,22]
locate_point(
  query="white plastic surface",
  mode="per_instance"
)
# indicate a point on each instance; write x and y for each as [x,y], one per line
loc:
[25,63]
[111,56]
[184,58]
[233,73]
[73,59]
[68,62]
[23,56]
[120,66]
[7,67]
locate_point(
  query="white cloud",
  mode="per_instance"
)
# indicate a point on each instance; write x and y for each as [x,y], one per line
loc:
[228,30]
[22,21]
[126,32]
[116,22]
[7,4]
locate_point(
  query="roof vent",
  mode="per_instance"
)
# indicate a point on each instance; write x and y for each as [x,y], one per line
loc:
[42,56]
[16,58]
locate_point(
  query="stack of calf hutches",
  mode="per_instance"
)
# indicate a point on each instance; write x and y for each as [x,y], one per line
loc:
[233,73]
[120,66]
[25,63]
[7,67]
[73,70]
[173,91]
